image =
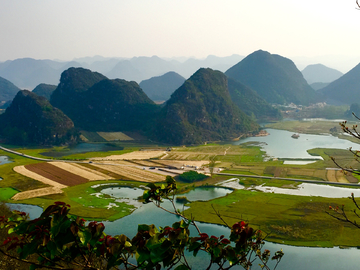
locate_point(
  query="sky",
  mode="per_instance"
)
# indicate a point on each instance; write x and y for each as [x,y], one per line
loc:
[306,31]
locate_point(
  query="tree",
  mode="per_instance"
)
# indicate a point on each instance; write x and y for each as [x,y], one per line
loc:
[61,241]
[341,213]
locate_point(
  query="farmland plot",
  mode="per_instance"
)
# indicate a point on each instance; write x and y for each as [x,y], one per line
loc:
[115,136]
[91,175]
[134,155]
[133,173]
[36,193]
[28,173]
[56,174]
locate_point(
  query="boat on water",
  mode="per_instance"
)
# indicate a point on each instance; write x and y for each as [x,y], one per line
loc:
[295,136]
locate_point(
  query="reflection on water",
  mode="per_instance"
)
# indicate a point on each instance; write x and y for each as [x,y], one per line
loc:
[34,211]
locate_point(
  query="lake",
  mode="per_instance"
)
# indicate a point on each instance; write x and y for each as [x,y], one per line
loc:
[279,144]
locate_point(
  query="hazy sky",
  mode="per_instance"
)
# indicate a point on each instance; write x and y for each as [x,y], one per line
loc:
[306,31]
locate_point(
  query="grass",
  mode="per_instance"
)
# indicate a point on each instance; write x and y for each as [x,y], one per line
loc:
[294,220]
[7,193]
[85,204]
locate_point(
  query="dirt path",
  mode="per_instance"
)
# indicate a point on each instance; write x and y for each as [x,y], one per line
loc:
[36,193]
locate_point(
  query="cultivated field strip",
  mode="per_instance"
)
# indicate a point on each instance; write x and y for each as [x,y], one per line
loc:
[56,174]
[102,170]
[145,163]
[24,171]
[77,169]
[133,173]
[36,193]
[134,155]
[115,136]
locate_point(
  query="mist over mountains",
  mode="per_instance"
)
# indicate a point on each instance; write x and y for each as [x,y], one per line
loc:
[27,73]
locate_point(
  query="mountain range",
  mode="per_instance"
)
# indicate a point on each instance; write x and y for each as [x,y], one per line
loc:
[209,106]
[28,73]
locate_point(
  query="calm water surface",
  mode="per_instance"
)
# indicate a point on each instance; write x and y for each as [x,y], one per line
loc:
[4,160]
[279,144]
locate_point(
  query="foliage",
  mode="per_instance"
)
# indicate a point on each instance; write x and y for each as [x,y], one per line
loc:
[251,102]
[44,90]
[62,241]
[191,176]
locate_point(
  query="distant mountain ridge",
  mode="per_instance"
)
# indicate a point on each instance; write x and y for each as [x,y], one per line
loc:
[345,90]
[319,73]
[7,90]
[274,78]
[28,72]
[160,88]
[44,90]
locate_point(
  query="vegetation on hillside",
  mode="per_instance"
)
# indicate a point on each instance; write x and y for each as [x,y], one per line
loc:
[201,110]
[32,119]
[251,103]
[7,90]
[44,90]
[274,78]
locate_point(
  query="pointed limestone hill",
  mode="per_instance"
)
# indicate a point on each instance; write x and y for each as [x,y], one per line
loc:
[7,90]
[251,103]
[31,119]
[68,94]
[319,73]
[160,88]
[116,105]
[274,78]
[201,110]
[345,90]
[44,90]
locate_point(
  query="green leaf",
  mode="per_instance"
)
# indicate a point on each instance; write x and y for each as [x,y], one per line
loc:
[11,230]
[33,267]
[181,267]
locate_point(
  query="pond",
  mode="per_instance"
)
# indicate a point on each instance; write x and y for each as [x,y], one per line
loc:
[4,160]
[83,148]
[279,144]
[34,211]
